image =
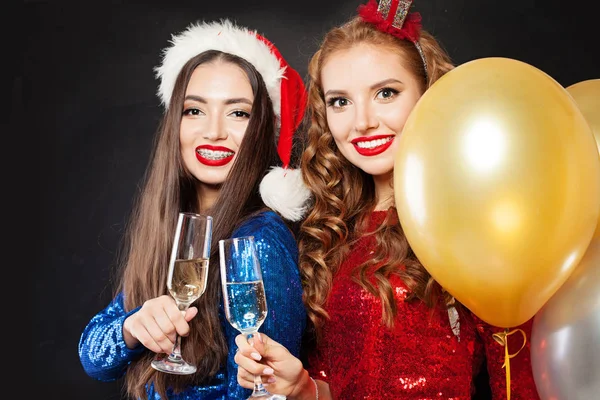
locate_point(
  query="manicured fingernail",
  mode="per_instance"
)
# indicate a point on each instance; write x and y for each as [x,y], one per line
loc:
[271,379]
[268,371]
[256,356]
[259,337]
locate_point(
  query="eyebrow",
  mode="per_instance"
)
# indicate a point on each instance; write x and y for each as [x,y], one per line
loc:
[235,100]
[386,82]
[372,87]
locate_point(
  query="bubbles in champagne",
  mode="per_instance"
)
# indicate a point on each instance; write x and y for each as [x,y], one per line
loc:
[188,280]
[246,305]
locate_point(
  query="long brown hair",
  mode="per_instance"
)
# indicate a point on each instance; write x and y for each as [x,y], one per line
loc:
[344,195]
[169,188]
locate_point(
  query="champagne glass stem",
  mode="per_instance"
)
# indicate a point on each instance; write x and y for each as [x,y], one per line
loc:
[175,355]
[259,389]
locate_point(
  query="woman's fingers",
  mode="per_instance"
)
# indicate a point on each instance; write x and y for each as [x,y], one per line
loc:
[191,313]
[250,364]
[246,379]
[157,323]
[142,335]
[149,333]
[259,343]
[163,327]
[161,317]
[242,342]
[176,319]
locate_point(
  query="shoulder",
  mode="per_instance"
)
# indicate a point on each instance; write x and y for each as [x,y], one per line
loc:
[269,227]
[262,223]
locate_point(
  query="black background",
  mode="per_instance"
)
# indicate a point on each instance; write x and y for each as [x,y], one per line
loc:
[85,97]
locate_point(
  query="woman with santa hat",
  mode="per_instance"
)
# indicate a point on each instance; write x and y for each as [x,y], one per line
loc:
[223,148]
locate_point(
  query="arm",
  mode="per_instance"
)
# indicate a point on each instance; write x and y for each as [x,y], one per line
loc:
[522,384]
[114,338]
[103,352]
[281,372]
[278,257]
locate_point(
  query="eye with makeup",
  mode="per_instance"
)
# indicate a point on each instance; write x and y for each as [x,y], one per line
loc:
[337,102]
[387,93]
[240,114]
[192,111]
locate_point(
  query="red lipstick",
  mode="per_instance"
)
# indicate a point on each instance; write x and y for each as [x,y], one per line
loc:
[210,156]
[373,151]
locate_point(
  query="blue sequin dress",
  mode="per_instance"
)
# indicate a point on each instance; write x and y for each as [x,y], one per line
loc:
[105,357]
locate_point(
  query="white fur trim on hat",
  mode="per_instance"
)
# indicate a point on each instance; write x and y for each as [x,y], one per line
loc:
[283,190]
[225,37]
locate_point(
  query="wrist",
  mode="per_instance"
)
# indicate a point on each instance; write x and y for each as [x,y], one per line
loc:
[306,389]
[316,388]
[130,340]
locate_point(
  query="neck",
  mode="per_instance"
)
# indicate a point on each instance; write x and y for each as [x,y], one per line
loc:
[384,191]
[207,195]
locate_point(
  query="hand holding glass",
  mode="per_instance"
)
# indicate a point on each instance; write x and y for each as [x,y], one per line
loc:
[244,293]
[188,271]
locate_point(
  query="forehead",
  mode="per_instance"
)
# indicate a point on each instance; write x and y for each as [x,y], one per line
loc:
[218,76]
[363,64]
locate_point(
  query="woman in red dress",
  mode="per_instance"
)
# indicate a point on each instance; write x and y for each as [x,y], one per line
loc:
[383,327]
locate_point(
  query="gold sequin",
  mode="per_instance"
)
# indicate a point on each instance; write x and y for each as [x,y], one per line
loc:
[401,11]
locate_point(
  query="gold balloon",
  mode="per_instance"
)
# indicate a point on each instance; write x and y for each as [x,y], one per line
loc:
[497,185]
[587,96]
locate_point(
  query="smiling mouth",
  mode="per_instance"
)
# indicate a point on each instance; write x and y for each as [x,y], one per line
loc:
[371,144]
[373,147]
[214,155]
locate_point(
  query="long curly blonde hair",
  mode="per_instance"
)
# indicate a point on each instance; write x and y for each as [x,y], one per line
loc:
[344,195]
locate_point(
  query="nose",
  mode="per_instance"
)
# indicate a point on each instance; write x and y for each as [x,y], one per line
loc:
[365,118]
[215,129]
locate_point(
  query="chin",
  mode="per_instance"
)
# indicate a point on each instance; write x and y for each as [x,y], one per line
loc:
[213,181]
[375,170]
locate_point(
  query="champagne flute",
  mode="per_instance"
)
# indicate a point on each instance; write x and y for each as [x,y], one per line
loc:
[188,271]
[244,294]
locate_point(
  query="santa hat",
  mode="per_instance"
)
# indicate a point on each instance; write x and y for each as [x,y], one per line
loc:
[282,189]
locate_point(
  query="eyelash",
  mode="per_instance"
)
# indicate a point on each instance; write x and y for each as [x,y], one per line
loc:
[331,102]
[196,112]
[394,92]
[192,111]
[244,114]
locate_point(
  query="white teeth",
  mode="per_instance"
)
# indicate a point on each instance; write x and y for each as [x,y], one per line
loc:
[373,143]
[214,154]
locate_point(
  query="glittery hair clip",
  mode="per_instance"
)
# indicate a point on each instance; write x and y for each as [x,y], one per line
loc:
[393,17]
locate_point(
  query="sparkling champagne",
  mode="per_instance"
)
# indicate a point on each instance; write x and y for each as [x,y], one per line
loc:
[189,280]
[246,305]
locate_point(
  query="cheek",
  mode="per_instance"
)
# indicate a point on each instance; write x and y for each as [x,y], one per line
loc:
[395,118]
[339,125]
[236,133]
[187,148]
[187,144]
[395,144]
[187,133]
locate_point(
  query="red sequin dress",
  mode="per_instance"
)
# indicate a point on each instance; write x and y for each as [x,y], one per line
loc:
[420,357]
